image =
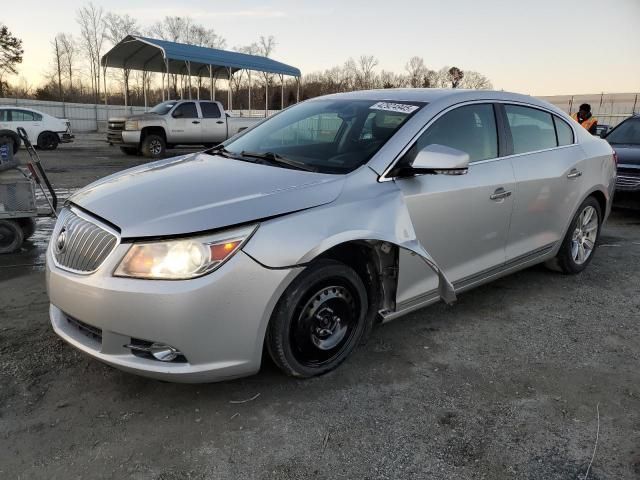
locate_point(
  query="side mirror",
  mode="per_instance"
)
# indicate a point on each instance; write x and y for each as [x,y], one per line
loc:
[177,114]
[437,158]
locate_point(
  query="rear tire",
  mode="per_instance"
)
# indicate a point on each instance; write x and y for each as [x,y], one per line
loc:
[11,236]
[129,150]
[319,320]
[48,141]
[580,242]
[153,146]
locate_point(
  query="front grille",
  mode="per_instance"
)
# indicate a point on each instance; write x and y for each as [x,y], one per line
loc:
[115,125]
[90,331]
[114,131]
[80,245]
[624,181]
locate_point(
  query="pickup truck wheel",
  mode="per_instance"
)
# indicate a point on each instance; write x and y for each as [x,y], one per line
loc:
[11,236]
[129,150]
[319,320]
[153,146]
[48,141]
[28,226]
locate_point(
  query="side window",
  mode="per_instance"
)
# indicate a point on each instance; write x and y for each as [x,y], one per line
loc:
[531,129]
[21,116]
[210,110]
[186,110]
[564,132]
[471,129]
[4,115]
[37,117]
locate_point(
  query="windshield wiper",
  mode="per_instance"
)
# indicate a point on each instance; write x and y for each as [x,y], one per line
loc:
[223,152]
[279,160]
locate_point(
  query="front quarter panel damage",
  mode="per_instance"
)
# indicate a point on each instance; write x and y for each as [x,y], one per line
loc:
[366,211]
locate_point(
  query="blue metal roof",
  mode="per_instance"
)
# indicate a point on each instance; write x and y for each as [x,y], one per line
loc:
[150,54]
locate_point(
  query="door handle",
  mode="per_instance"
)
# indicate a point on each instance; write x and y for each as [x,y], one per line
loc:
[219,122]
[574,173]
[195,122]
[500,194]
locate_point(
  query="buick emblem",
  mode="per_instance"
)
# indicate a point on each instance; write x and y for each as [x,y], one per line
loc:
[61,241]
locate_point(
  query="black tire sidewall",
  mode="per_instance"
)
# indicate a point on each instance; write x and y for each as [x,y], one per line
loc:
[17,239]
[278,332]
[565,260]
[28,226]
[146,146]
[52,144]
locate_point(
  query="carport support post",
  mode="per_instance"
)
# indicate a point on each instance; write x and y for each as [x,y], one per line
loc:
[166,61]
[281,92]
[266,96]
[211,94]
[144,88]
[189,73]
[298,89]
[249,75]
[229,96]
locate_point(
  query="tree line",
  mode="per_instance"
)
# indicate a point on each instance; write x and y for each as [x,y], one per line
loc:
[76,75]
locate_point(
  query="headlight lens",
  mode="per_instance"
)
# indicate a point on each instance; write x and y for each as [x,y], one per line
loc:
[131,125]
[183,258]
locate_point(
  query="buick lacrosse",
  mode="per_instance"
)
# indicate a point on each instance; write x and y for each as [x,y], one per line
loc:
[300,234]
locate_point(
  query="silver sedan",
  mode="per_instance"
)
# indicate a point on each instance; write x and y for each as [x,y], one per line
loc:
[303,232]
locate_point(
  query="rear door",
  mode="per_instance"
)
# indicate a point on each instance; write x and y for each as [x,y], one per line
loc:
[185,124]
[30,121]
[547,165]
[461,220]
[214,126]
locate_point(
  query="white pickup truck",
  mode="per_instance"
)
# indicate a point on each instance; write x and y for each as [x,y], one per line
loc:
[175,122]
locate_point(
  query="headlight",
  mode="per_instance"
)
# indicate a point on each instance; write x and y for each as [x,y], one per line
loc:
[182,258]
[131,125]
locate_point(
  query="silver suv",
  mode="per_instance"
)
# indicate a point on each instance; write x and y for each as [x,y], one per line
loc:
[303,232]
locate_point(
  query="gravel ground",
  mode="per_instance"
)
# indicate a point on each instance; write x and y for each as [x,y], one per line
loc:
[508,383]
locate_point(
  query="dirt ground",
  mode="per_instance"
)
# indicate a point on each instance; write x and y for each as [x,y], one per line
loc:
[514,381]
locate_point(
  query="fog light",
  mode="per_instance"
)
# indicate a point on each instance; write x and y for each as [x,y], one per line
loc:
[163,352]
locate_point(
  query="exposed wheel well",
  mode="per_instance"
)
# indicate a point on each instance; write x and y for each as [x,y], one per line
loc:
[14,136]
[601,199]
[376,263]
[153,131]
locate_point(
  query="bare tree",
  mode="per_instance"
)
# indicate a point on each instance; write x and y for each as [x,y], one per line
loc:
[365,75]
[475,80]
[92,34]
[416,69]
[58,55]
[69,48]
[118,27]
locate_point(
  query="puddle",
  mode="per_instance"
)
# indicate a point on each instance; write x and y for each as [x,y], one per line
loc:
[32,254]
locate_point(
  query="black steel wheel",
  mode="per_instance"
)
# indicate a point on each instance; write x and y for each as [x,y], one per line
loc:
[48,141]
[319,320]
[28,227]
[11,236]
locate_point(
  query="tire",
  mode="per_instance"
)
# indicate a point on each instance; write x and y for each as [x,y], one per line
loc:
[153,146]
[28,226]
[11,236]
[129,150]
[319,320]
[581,241]
[48,141]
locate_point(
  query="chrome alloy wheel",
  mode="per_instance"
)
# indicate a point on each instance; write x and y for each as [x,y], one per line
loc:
[584,236]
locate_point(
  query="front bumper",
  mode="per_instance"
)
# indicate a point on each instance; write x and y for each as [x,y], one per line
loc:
[65,137]
[131,137]
[218,321]
[628,178]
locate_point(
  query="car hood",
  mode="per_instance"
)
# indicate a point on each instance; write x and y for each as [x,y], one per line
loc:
[145,116]
[201,192]
[627,154]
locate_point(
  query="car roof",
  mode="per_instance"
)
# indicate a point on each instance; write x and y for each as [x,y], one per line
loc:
[430,95]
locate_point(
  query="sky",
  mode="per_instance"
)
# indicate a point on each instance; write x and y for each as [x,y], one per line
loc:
[537,47]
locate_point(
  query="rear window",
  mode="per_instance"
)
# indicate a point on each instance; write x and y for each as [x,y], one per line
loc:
[531,129]
[210,110]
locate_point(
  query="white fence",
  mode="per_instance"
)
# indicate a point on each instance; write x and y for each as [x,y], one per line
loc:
[90,117]
[609,108]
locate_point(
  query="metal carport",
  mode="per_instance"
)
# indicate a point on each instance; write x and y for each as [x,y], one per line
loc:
[152,55]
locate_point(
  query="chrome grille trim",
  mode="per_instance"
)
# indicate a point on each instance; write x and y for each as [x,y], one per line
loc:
[627,182]
[89,242]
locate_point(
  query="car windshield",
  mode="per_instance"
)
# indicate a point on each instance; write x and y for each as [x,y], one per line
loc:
[163,108]
[328,136]
[627,132]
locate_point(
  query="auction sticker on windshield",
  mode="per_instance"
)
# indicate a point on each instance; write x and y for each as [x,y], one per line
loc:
[394,107]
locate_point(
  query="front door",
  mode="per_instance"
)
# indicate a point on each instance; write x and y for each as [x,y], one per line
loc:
[461,220]
[185,126]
